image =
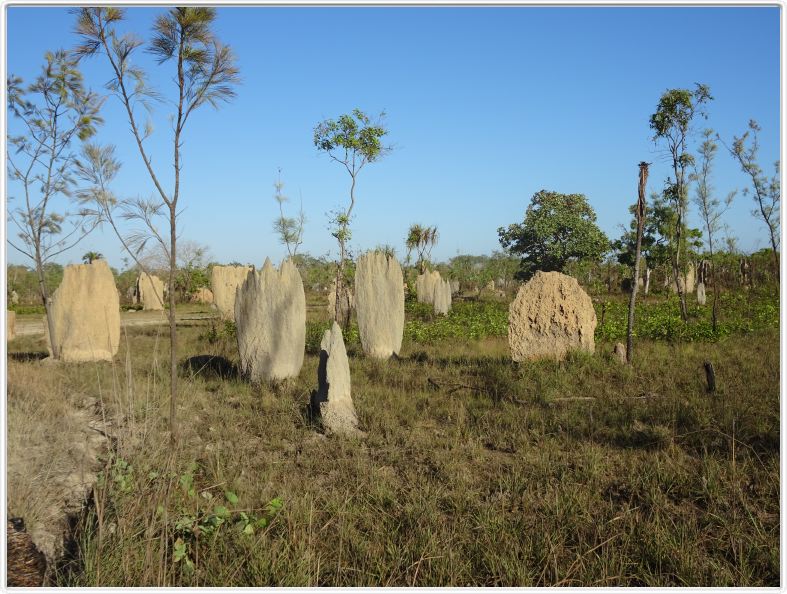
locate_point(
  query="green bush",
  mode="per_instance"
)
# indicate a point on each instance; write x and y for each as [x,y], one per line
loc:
[315,330]
[466,320]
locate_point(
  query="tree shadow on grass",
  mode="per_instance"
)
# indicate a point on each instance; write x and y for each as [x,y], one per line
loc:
[210,367]
[458,360]
[26,357]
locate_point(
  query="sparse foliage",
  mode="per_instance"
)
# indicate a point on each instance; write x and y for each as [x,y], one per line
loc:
[204,74]
[98,167]
[766,192]
[353,141]
[671,124]
[54,111]
[289,229]
[421,240]
[710,207]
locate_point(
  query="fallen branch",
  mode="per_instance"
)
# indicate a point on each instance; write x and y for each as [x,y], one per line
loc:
[647,396]
[453,387]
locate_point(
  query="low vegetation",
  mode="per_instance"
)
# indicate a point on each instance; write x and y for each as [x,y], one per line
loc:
[475,471]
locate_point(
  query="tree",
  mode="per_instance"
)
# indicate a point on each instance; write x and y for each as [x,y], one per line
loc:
[192,268]
[665,218]
[471,270]
[386,249]
[421,240]
[353,141]
[671,124]
[204,74]
[315,271]
[88,257]
[289,229]
[503,266]
[710,207]
[767,192]
[54,111]
[653,248]
[558,228]
[657,237]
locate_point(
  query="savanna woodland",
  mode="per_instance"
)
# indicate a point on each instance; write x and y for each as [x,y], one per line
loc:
[593,401]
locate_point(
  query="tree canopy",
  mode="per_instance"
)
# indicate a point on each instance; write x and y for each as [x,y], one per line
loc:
[557,229]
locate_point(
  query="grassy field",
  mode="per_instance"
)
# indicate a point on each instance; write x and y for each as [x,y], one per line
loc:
[475,471]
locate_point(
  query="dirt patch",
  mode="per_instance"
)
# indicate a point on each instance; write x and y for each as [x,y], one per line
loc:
[54,442]
[30,327]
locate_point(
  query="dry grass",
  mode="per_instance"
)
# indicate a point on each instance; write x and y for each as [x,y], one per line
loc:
[485,475]
[52,450]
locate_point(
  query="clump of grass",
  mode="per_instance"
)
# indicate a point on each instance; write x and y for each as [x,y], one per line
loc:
[27,309]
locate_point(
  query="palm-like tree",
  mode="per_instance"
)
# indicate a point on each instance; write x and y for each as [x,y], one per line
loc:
[422,240]
[90,256]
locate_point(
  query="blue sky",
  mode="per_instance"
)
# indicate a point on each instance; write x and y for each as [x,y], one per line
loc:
[485,107]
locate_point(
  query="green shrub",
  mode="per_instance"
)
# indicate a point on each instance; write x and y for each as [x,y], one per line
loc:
[739,313]
[466,320]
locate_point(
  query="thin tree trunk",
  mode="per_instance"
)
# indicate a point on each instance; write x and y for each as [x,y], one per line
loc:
[643,180]
[173,254]
[50,323]
[647,278]
[714,308]
[679,282]
[342,309]
[173,334]
[775,255]
[680,212]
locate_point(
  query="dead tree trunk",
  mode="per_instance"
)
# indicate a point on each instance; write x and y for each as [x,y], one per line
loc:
[640,213]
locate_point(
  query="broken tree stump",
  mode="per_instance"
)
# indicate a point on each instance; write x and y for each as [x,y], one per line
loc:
[710,376]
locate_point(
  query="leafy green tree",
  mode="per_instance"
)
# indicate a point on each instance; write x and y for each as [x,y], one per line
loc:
[656,237]
[315,271]
[353,141]
[557,229]
[470,270]
[24,281]
[289,229]
[125,280]
[671,125]
[204,73]
[503,266]
[766,192]
[54,111]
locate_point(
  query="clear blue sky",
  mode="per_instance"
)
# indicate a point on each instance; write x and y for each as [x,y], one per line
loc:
[485,107]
